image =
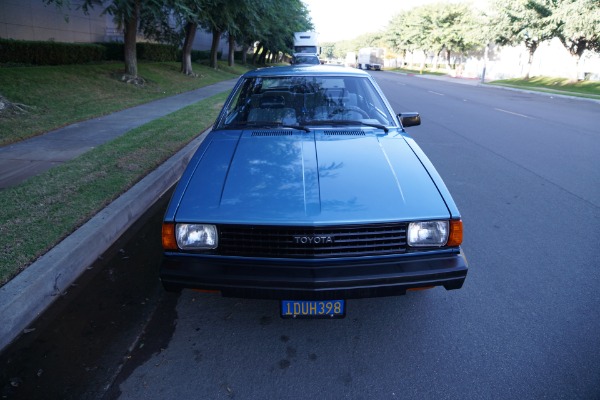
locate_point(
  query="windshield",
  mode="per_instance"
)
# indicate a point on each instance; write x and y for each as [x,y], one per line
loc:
[305,101]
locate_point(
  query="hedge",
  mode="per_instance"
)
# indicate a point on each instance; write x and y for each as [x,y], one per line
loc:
[59,53]
[49,53]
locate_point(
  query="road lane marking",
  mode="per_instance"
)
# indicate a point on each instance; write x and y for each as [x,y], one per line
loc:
[439,94]
[510,112]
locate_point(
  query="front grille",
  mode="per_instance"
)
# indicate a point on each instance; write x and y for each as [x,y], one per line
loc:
[312,242]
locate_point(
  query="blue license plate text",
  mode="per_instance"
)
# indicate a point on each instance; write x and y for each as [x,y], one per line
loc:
[313,308]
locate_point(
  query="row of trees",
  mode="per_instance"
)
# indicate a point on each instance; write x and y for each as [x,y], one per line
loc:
[576,23]
[446,29]
[270,23]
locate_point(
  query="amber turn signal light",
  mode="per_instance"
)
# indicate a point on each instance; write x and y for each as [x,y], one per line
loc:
[456,233]
[168,236]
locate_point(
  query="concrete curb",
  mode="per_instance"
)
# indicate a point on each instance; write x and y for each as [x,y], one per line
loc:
[29,294]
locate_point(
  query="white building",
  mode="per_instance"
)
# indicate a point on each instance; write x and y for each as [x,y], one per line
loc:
[550,59]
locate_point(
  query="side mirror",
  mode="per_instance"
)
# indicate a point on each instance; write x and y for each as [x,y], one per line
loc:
[409,119]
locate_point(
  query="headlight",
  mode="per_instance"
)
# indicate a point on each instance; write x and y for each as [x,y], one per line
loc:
[196,236]
[427,234]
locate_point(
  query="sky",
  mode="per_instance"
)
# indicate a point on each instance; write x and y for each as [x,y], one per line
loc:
[336,20]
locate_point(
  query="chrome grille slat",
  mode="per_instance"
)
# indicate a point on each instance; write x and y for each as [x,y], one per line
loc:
[278,242]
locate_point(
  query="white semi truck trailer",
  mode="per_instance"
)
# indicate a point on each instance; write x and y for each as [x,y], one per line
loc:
[370,58]
[306,42]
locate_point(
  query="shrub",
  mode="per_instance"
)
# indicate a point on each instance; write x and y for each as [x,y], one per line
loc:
[60,53]
[156,52]
[49,53]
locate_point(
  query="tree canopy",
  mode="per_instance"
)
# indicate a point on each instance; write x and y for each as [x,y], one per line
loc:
[440,27]
[578,24]
[271,23]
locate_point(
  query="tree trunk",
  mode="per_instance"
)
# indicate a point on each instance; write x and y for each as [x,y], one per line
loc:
[532,47]
[529,64]
[245,55]
[575,76]
[576,49]
[423,61]
[231,56]
[186,56]
[262,60]
[255,60]
[130,25]
[216,38]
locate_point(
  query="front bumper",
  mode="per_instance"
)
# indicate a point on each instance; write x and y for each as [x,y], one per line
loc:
[312,279]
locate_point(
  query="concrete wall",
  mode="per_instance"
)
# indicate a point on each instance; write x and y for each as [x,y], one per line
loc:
[33,20]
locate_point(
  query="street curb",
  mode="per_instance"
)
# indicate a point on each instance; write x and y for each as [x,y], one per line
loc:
[29,294]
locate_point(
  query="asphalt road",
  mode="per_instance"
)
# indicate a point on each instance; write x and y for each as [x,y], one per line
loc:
[525,173]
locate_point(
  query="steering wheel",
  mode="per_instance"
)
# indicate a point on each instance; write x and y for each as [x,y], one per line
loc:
[300,88]
[359,110]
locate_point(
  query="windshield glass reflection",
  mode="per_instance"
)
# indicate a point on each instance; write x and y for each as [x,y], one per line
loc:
[305,100]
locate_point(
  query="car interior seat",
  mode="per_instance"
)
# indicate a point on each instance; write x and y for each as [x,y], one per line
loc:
[272,108]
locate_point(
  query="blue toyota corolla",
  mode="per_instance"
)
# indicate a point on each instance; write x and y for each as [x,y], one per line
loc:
[308,190]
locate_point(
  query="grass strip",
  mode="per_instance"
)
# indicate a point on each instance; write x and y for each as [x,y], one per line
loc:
[586,89]
[56,96]
[416,71]
[45,209]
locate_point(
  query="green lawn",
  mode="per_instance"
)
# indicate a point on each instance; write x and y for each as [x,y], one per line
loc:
[42,211]
[588,89]
[60,95]
[417,71]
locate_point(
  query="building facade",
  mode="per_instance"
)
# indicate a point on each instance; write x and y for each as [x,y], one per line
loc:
[34,20]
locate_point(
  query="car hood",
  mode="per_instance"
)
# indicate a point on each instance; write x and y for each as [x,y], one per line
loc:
[297,178]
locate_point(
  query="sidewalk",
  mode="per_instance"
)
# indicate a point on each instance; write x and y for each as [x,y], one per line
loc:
[30,157]
[30,293]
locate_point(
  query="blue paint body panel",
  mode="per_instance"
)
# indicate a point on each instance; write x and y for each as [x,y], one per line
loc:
[308,179]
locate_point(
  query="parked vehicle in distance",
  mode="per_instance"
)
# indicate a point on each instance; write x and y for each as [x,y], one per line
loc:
[303,58]
[350,60]
[306,42]
[309,190]
[370,58]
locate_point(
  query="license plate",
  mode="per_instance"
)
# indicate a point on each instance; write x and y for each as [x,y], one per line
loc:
[313,308]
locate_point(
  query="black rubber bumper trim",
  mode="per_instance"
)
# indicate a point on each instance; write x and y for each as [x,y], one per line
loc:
[296,280]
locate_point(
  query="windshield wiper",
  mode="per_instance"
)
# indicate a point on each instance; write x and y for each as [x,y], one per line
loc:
[345,122]
[264,125]
[299,127]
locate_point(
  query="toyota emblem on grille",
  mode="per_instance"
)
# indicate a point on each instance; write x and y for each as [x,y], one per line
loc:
[313,240]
